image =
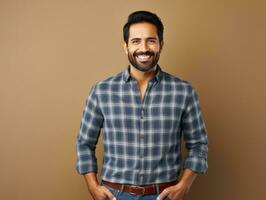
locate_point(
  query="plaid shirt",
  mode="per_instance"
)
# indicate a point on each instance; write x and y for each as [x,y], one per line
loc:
[142,139]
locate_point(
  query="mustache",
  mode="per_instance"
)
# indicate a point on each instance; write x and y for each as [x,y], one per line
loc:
[148,53]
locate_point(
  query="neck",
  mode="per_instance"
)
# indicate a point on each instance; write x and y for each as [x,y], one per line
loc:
[142,77]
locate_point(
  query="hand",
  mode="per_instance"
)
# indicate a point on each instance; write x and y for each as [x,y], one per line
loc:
[101,193]
[175,192]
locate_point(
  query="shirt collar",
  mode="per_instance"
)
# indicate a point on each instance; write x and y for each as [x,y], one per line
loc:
[127,76]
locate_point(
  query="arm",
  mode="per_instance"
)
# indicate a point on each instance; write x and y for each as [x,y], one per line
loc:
[187,179]
[195,137]
[87,139]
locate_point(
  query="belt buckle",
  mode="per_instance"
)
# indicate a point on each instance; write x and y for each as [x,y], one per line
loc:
[138,187]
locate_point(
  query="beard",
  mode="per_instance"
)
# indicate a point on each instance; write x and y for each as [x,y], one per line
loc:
[144,66]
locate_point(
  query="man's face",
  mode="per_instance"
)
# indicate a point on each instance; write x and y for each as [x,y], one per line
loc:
[143,47]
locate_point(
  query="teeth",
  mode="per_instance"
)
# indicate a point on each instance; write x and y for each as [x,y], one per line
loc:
[143,56]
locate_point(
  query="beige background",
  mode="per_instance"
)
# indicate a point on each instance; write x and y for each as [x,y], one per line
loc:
[51,52]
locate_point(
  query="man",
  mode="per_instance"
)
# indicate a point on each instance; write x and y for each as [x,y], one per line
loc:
[143,113]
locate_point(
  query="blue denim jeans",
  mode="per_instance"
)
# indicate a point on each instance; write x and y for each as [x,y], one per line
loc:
[121,195]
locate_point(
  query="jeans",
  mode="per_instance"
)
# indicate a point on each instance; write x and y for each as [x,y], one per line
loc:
[121,195]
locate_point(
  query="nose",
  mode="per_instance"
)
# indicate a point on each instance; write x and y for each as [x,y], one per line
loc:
[143,46]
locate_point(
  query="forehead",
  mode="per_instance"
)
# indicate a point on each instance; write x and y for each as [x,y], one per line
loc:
[142,30]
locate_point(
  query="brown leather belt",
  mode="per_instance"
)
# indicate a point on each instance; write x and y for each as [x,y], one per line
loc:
[140,190]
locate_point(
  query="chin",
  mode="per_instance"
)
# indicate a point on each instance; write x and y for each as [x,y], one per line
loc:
[143,69]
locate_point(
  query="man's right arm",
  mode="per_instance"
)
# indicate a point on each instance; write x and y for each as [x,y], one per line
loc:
[90,126]
[87,139]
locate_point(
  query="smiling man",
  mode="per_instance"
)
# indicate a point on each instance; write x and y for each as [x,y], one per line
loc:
[144,47]
[143,112]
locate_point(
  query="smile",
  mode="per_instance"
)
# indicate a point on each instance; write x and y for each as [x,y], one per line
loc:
[143,58]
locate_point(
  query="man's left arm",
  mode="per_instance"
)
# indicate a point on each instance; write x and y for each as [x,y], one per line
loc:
[196,140]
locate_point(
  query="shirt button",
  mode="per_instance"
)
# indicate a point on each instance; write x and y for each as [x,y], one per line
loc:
[142,113]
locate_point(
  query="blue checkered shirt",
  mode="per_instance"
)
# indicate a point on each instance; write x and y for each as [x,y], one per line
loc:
[142,139]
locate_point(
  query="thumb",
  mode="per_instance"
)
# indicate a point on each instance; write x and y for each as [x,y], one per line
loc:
[163,195]
[110,195]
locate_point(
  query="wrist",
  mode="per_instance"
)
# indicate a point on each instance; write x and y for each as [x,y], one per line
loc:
[93,186]
[91,180]
[182,184]
[187,179]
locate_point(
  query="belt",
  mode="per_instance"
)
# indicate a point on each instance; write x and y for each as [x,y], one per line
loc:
[140,190]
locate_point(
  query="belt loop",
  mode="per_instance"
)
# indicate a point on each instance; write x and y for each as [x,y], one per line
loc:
[157,189]
[122,188]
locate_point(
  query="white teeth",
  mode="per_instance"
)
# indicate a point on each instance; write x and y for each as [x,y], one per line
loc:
[143,56]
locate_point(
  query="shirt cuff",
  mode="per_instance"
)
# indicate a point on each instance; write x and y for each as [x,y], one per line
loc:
[85,168]
[196,164]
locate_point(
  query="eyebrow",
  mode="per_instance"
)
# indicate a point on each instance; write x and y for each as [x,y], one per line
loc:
[153,38]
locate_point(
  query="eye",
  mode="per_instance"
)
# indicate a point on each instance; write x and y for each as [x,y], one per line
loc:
[152,41]
[135,41]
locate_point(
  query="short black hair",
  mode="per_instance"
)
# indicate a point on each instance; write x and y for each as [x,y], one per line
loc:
[143,16]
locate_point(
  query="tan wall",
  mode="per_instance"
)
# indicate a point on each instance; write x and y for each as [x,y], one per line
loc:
[51,52]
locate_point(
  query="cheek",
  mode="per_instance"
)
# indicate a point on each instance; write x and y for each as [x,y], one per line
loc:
[157,48]
[132,52]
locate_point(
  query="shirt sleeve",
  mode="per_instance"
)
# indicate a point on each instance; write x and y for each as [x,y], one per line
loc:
[195,135]
[89,132]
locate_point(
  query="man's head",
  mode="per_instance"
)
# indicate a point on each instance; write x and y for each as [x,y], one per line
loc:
[143,16]
[143,37]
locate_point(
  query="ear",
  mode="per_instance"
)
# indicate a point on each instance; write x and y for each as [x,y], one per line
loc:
[125,48]
[161,46]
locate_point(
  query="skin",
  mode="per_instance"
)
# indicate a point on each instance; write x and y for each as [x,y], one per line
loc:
[143,38]
[97,191]
[178,191]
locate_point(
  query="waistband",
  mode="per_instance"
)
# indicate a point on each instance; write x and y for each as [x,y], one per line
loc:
[140,190]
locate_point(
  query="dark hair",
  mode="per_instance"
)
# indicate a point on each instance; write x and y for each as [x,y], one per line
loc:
[143,16]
